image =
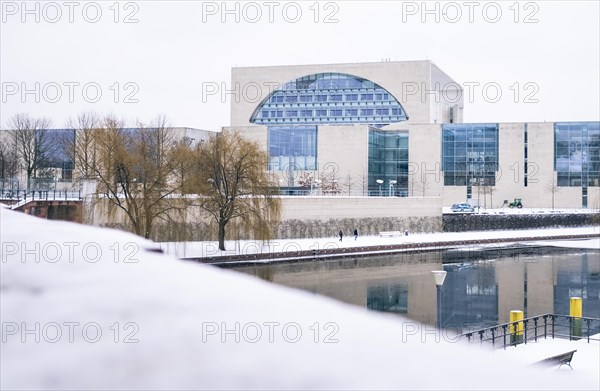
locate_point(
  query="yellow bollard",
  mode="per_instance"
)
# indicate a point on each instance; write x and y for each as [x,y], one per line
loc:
[516,331]
[576,311]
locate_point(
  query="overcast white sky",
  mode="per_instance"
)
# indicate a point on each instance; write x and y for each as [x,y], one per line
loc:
[160,63]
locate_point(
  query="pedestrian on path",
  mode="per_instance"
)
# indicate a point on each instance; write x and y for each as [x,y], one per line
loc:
[341,235]
[355,234]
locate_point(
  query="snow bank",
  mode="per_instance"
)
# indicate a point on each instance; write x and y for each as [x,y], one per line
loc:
[90,308]
[208,249]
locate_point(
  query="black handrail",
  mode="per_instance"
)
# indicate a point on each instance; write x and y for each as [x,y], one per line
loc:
[557,322]
[17,196]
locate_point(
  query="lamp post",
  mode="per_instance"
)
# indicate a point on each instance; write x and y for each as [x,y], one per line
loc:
[380,181]
[392,183]
[438,277]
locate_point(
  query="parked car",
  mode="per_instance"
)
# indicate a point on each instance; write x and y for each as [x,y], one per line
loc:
[462,207]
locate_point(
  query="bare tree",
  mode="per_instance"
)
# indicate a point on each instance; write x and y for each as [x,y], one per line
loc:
[134,168]
[233,184]
[553,188]
[8,158]
[330,183]
[81,148]
[33,144]
[488,189]
[364,183]
[348,183]
[306,180]
[421,184]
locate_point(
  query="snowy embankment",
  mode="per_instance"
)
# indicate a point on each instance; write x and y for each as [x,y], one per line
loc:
[211,249]
[89,308]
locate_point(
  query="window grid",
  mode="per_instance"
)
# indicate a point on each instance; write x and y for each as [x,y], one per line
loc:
[335,98]
[577,154]
[388,161]
[292,148]
[469,154]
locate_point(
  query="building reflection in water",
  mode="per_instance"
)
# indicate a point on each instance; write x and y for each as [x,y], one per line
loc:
[478,292]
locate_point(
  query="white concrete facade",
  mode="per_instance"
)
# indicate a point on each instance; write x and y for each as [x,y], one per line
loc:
[429,97]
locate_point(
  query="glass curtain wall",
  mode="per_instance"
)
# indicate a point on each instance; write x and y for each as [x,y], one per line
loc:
[469,154]
[388,163]
[577,155]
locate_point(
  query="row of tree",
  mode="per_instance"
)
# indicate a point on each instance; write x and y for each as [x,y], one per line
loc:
[151,174]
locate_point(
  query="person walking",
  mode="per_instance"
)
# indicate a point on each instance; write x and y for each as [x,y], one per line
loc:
[341,235]
[355,234]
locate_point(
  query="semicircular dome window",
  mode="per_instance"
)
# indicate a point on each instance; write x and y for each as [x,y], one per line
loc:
[329,98]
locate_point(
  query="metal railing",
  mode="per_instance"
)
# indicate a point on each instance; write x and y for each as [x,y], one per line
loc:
[536,327]
[20,197]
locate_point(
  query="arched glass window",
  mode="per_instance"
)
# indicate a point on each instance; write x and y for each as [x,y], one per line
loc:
[329,98]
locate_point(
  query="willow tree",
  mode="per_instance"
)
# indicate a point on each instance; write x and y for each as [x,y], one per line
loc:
[233,184]
[134,170]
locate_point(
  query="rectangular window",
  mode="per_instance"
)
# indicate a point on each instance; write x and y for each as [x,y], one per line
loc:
[321,113]
[291,113]
[351,112]
[472,157]
[575,153]
[366,112]
[292,148]
[306,98]
[335,98]
[335,113]
[265,114]
[366,97]
[382,111]
[388,163]
[321,98]
[351,97]
[306,113]
[291,98]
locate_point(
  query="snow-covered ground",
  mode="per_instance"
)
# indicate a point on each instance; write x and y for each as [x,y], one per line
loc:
[211,249]
[585,361]
[90,308]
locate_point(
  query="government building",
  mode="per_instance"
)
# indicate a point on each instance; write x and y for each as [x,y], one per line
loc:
[395,129]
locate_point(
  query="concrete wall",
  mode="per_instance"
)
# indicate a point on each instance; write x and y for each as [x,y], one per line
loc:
[425,168]
[325,208]
[343,154]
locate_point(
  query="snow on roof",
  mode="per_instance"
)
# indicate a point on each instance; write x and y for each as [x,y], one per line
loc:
[91,308]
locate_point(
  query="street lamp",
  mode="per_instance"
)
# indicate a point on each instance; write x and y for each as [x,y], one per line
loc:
[392,183]
[380,181]
[438,277]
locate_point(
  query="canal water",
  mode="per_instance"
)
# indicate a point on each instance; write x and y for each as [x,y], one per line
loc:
[480,290]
